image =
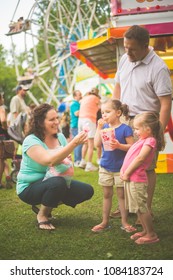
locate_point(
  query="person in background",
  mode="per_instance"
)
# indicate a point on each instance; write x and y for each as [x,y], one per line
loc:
[90,105]
[114,146]
[65,124]
[61,108]
[133,172]
[17,104]
[4,167]
[74,117]
[19,24]
[43,135]
[143,83]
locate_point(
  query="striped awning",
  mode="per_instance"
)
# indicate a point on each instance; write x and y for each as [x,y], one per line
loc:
[100,54]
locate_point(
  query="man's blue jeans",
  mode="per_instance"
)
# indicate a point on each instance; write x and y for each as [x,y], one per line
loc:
[78,149]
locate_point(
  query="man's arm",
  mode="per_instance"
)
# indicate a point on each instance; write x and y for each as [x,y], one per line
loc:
[15,115]
[116,92]
[165,109]
[76,113]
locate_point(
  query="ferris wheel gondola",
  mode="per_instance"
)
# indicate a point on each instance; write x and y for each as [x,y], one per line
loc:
[56,24]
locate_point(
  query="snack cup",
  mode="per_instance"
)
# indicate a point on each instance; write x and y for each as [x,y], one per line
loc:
[107,135]
[86,128]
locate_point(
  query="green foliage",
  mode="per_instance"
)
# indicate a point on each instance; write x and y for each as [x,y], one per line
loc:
[2,54]
[7,76]
[21,239]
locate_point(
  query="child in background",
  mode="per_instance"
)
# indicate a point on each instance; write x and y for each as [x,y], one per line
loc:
[65,124]
[112,160]
[138,158]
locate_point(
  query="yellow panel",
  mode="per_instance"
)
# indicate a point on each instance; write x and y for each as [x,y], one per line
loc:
[169,63]
[161,164]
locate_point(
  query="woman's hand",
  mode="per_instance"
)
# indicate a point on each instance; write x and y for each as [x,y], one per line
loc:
[81,138]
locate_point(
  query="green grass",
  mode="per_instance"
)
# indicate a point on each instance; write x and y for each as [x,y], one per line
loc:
[20,239]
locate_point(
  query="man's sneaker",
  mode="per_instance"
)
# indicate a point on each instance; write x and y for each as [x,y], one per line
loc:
[82,164]
[76,163]
[90,167]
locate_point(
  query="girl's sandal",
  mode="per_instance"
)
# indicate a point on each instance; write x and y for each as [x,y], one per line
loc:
[136,235]
[99,228]
[128,228]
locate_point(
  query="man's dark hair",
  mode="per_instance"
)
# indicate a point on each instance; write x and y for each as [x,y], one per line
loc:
[75,92]
[138,33]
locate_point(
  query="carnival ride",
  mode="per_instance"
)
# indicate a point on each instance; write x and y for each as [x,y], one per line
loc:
[73,32]
[54,24]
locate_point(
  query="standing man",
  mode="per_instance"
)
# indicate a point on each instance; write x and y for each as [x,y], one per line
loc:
[74,116]
[17,104]
[143,83]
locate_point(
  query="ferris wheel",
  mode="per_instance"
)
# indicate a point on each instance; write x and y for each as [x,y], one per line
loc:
[55,24]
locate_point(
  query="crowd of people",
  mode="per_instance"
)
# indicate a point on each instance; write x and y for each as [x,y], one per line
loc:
[127,135]
[17,106]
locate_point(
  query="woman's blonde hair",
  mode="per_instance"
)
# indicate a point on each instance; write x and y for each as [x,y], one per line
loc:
[94,91]
[151,120]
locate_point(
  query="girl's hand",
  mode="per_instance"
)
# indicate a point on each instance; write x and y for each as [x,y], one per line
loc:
[114,144]
[125,177]
[81,138]
[100,123]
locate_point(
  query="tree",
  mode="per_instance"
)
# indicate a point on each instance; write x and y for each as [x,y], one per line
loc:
[7,76]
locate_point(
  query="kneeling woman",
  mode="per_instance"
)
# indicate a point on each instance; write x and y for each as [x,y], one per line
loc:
[43,135]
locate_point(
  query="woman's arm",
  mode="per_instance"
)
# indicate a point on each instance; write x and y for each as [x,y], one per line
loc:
[43,157]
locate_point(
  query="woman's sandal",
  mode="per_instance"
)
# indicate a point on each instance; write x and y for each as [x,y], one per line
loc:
[45,223]
[35,209]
